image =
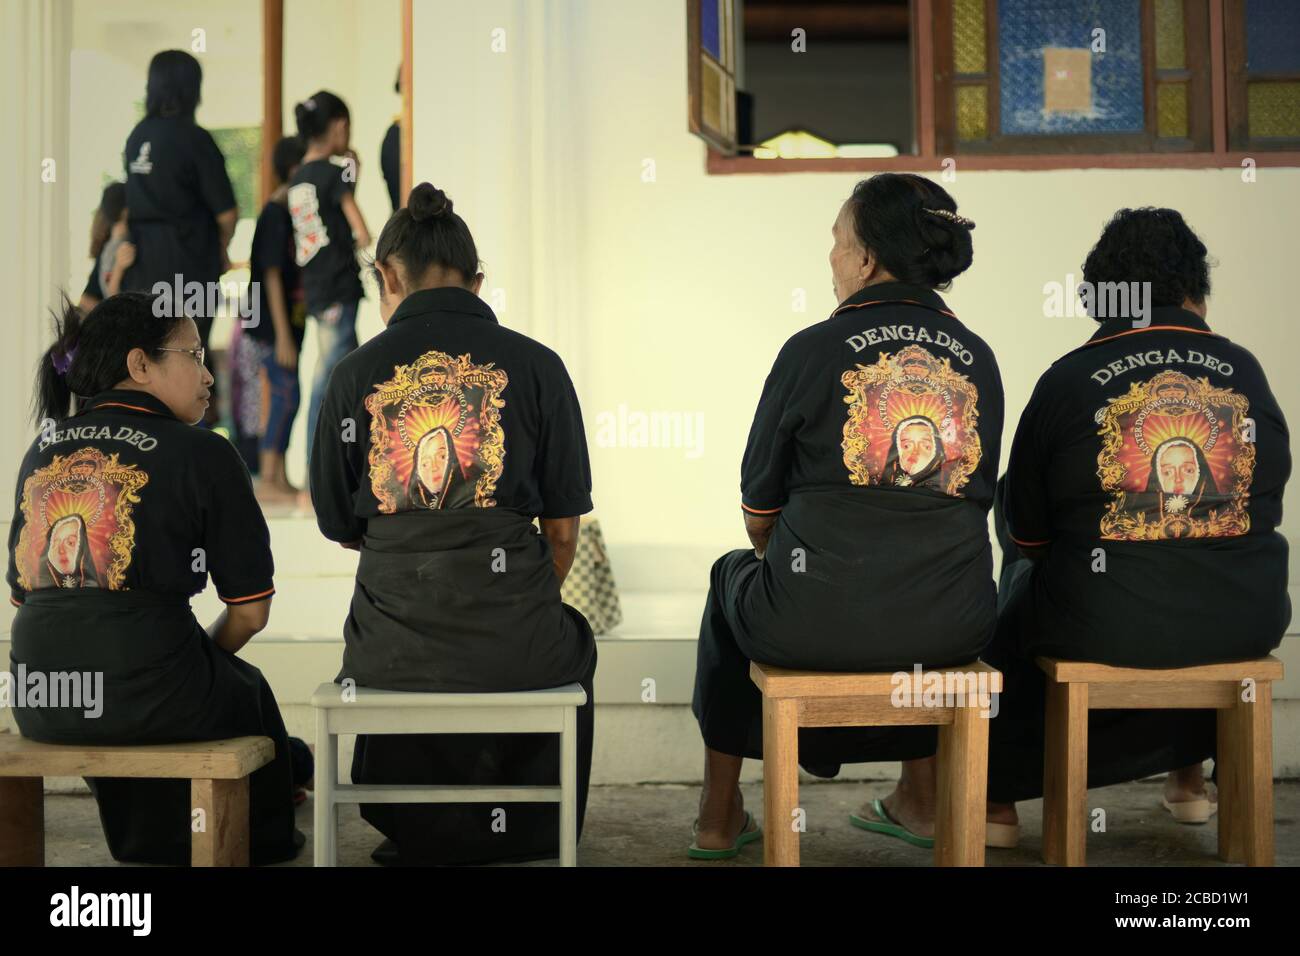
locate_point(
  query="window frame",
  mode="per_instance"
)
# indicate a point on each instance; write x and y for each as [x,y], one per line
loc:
[1208,144]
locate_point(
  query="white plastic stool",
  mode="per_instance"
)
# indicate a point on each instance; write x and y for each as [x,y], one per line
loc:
[363,710]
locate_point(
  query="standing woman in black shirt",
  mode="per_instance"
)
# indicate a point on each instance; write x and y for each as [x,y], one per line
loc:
[440,441]
[328,230]
[182,206]
[865,489]
[1138,517]
[122,510]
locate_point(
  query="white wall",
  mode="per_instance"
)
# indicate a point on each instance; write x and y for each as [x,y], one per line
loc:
[351,47]
[682,288]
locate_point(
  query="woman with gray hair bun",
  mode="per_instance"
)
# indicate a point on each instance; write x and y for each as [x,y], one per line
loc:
[865,489]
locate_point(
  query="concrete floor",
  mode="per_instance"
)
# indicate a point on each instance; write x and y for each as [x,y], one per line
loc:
[650,826]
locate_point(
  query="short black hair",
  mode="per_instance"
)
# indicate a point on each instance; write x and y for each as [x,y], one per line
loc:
[174,83]
[894,217]
[287,154]
[1151,245]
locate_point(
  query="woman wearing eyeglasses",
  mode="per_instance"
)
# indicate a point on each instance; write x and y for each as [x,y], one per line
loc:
[158,506]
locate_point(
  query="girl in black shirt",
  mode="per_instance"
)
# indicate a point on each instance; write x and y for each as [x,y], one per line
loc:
[328,229]
[865,488]
[439,443]
[1138,518]
[122,510]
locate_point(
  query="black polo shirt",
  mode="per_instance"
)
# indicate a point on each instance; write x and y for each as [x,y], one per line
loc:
[124,496]
[892,392]
[176,186]
[1148,468]
[273,247]
[447,409]
[325,249]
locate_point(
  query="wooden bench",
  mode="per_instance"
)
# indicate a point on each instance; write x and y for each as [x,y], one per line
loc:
[1244,752]
[217,770]
[794,699]
[364,710]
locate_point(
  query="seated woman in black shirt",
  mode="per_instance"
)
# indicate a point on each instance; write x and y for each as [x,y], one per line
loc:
[1138,517]
[122,511]
[439,442]
[865,489]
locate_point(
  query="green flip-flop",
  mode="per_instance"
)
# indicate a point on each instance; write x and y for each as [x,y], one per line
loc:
[890,827]
[746,836]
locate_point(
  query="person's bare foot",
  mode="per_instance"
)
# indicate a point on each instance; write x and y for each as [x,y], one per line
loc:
[906,808]
[1004,813]
[269,493]
[719,830]
[1188,784]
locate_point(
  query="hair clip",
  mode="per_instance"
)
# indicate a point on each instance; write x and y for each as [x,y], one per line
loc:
[63,361]
[951,217]
[309,102]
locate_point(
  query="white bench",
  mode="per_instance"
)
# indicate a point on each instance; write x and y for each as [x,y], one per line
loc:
[363,710]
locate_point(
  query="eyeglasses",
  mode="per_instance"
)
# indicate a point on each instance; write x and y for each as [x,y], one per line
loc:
[197,353]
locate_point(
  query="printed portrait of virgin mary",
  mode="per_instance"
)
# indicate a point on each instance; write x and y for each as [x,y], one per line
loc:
[916,454]
[67,562]
[433,469]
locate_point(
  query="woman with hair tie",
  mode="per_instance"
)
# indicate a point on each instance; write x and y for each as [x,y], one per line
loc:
[439,442]
[123,510]
[865,489]
[1138,520]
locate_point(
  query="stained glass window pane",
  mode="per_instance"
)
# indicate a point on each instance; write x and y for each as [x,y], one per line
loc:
[1273,109]
[969,36]
[1272,36]
[1170,53]
[1171,109]
[710,35]
[1049,86]
[972,112]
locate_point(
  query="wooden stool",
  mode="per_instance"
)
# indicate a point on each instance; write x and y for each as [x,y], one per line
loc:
[794,699]
[217,770]
[363,710]
[1244,754]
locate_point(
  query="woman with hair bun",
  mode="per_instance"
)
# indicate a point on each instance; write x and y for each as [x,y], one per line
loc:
[123,511]
[439,442]
[865,489]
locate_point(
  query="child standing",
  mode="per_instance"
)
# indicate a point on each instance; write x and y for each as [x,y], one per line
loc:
[269,395]
[328,229]
[110,247]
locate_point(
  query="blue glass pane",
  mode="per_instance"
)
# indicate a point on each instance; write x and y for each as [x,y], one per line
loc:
[1026,27]
[709,28]
[1272,36]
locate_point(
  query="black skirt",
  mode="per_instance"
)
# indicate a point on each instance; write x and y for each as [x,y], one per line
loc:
[857,581]
[430,613]
[1123,745]
[165,681]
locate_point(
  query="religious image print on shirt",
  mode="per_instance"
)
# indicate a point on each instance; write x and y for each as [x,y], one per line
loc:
[912,423]
[1175,461]
[436,440]
[77,526]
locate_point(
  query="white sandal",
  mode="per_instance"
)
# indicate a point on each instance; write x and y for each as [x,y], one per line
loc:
[1002,836]
[1191,811]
